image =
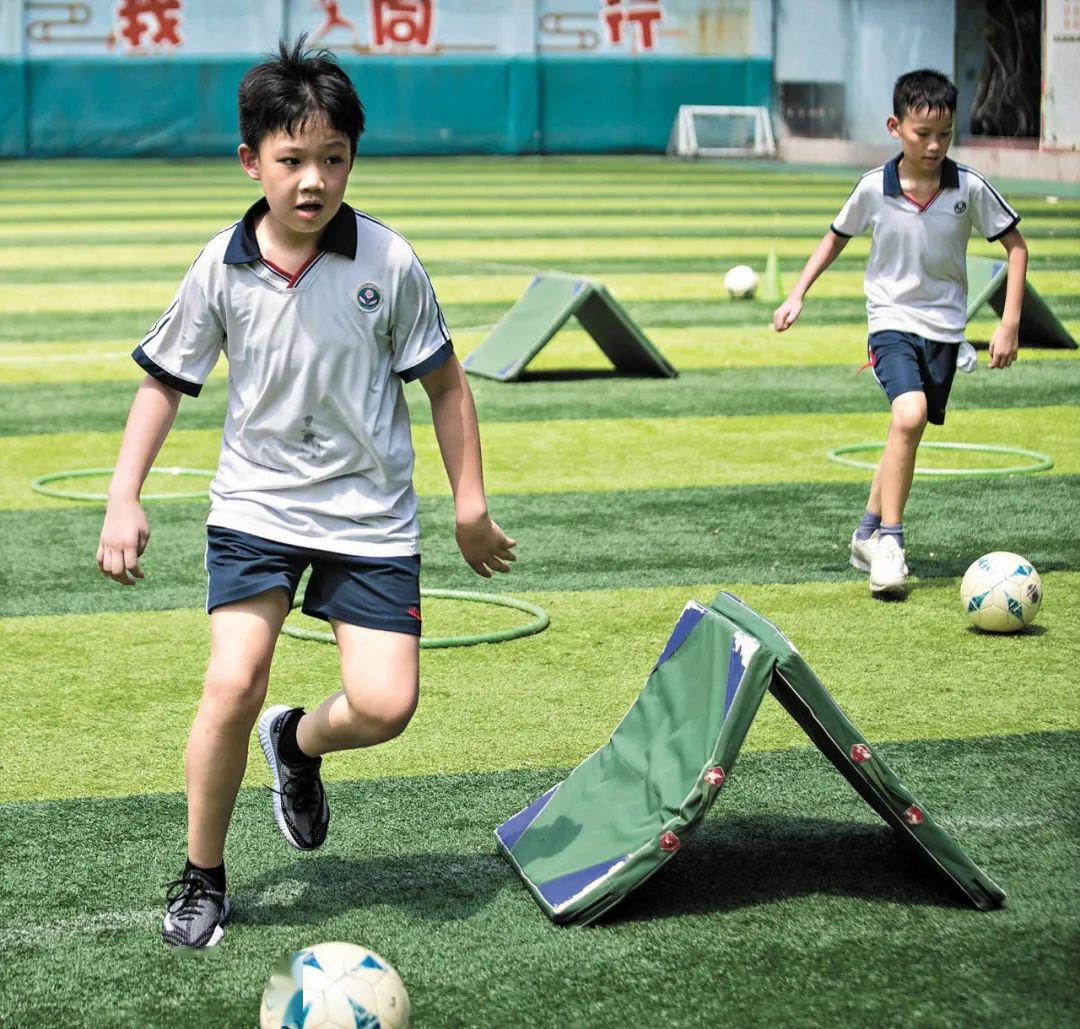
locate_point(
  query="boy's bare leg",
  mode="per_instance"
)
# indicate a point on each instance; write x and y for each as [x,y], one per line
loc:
[892,480]
[242,646]
[873,502]
[380,675]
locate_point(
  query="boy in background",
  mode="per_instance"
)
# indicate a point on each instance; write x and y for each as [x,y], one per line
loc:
[920,208]
[322,313]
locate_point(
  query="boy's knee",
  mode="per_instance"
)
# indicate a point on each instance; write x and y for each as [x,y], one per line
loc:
[909,413]
[383,711]
[235,693]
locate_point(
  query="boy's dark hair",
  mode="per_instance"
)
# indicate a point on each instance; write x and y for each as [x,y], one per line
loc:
[923,90]
[291,88]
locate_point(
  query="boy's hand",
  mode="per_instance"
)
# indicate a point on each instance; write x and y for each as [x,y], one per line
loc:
[784,316]
[1003,346]
[484,545]
[123,539]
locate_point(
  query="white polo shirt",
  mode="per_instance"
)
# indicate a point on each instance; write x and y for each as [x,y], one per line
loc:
[916,278]
[317,447]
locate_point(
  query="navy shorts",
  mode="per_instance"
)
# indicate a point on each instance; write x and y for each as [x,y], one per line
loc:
[373,592]
[904,362]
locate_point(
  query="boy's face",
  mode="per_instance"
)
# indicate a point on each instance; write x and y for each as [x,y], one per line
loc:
[303,176]
[924,136]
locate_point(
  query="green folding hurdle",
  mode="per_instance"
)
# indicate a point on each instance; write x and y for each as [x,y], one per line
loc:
[625,811]
[1039,326]
[549,301]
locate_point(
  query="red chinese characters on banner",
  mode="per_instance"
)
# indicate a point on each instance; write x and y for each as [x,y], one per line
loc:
[401,23]
[149,24]
[642,16]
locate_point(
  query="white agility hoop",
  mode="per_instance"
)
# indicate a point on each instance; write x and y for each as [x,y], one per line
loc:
[1037,462]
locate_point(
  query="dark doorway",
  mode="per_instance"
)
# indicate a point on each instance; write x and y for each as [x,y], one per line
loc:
[999,68]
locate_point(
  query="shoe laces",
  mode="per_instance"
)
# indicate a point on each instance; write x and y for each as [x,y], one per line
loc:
[301,788]
[185,898]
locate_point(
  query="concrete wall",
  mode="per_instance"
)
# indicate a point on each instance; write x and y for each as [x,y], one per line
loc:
[865,45]
[995,161]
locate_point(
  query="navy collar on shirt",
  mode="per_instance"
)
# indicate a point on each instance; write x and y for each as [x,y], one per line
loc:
[890,185]
[339,236]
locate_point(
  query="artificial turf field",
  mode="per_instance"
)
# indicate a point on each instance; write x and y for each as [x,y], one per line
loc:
[793,904]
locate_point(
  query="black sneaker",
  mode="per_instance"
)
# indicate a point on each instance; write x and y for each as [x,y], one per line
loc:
[195,911]
[300,807]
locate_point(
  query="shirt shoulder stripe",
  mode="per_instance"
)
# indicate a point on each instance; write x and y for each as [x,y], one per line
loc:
[872,171]
[986,182]
[438,308]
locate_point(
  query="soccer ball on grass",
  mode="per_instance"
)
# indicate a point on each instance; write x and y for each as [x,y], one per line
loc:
[334,986]
[741,282]
[1001,592]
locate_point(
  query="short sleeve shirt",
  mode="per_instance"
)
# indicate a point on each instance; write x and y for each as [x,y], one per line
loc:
[916,278]
[316,449]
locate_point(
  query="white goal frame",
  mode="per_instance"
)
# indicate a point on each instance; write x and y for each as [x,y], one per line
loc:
[683,139]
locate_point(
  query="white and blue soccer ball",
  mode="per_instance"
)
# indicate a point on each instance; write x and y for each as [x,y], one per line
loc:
[334,986]
[1001,592]
[741,282]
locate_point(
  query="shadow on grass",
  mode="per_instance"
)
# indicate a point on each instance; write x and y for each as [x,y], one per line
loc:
[437,886]
[733,863]
[955,567]
[729,864]
[1029,630]
[583,374]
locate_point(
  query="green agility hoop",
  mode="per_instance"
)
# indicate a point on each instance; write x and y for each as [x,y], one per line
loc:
[38,485]
[539,623]
[1040,462]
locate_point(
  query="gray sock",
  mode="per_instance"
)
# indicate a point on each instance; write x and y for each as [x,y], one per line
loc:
[896,531]
[868,526]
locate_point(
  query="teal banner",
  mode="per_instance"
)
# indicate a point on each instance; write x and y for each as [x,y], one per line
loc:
[177,107]
[14,130]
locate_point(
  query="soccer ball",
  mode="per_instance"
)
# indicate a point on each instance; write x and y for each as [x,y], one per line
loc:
[741,282]
[1001,592]
[334,986]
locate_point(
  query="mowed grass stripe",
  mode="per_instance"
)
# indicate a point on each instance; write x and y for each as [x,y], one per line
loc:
[717,314]
[628,202]
[43,324]
[737,209]
[591,454]
[92,234]
[53,407]
[715,264]
[624,202]
[809,344]
[88,230]
[546,175]
[502,172]
[439,173]
[462,288]
[814,341]
[493,707]
[811,875]
[539,249]
[228,184]
[236,188]
[583,541]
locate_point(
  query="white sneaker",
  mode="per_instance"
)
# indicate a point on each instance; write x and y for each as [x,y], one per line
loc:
[862,551]
[888,569]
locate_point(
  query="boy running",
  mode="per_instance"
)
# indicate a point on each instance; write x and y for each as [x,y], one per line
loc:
[322,313]
[920,208]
